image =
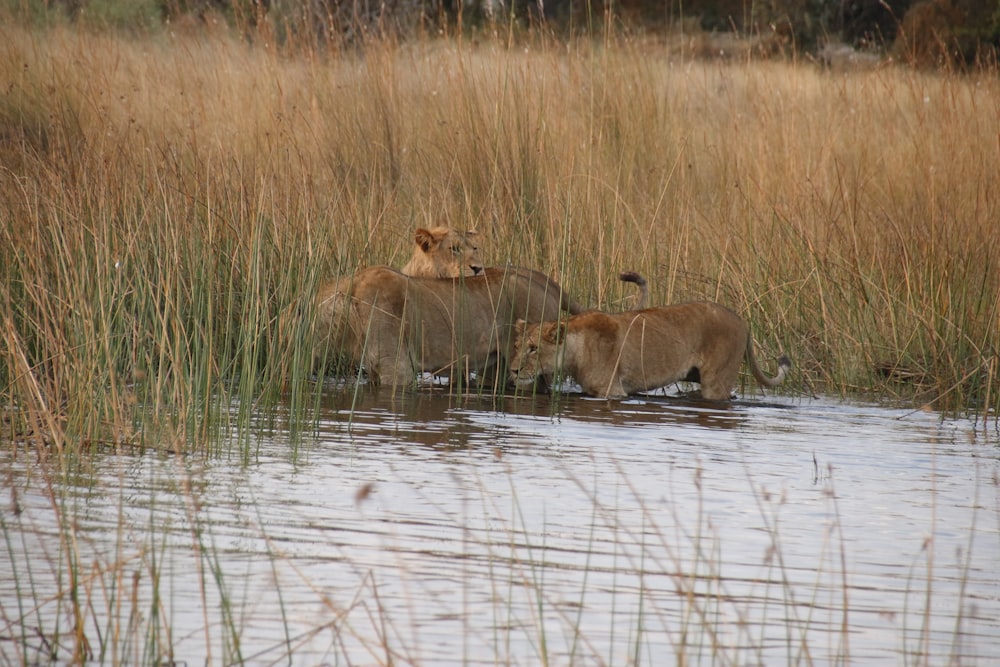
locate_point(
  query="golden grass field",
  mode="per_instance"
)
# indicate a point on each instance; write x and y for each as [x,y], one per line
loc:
[164,198]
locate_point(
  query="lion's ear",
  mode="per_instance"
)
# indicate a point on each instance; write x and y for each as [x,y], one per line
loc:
[424,238]
[553,332]
[519,326]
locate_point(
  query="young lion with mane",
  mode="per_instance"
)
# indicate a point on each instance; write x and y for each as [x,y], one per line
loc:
[442,252]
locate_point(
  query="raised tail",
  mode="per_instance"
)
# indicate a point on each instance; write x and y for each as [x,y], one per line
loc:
[784,365]
[640,282]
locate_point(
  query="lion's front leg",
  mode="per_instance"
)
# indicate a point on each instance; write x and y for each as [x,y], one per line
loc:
[598,383]
[388,361]
[392,370]
[612,389]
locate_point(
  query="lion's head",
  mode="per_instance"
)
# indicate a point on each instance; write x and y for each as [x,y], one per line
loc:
[442,252]
[536,350]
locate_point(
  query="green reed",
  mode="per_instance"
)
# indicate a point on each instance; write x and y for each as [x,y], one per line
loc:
[167,198]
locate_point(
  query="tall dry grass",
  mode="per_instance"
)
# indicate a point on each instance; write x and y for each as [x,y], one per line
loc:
[165,198]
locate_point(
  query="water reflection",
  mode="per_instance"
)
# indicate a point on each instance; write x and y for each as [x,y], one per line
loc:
[441,418]
[432,528]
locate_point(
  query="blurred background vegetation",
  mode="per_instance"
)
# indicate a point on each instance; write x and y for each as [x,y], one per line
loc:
[927,33]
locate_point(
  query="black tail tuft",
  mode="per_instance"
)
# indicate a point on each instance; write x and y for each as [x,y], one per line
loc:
[632,277]
[640,282]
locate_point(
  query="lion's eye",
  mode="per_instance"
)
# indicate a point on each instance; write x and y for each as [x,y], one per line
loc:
[532,348]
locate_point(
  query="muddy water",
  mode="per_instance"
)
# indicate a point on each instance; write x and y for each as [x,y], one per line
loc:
[436,530]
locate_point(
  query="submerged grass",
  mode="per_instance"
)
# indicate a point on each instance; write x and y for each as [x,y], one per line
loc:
[164,199]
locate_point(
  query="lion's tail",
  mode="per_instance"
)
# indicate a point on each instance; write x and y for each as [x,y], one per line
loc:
[640,282]
[784,365]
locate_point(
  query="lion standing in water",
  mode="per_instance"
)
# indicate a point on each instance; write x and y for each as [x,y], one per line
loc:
[398,325]
[440,252]
[451,313]
[614,355]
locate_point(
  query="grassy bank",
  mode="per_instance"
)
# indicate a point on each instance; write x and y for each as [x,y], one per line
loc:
[165,198]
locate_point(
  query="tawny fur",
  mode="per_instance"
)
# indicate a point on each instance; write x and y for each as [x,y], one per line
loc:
[397,325]
[439,252]
[442,252]
[614,355]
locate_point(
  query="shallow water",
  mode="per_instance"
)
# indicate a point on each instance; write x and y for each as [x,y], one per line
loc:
[440,530]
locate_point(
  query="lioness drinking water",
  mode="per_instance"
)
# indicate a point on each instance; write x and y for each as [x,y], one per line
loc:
[614,355]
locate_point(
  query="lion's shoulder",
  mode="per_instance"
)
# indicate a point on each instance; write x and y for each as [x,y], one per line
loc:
[596,324]
[377,279]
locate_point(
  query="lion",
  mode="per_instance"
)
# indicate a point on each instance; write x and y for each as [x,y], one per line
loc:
[398,325]
[439,252]
[614,355]
[442,252]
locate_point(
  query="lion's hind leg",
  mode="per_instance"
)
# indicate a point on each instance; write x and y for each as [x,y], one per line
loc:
[718,380]
[717,390]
